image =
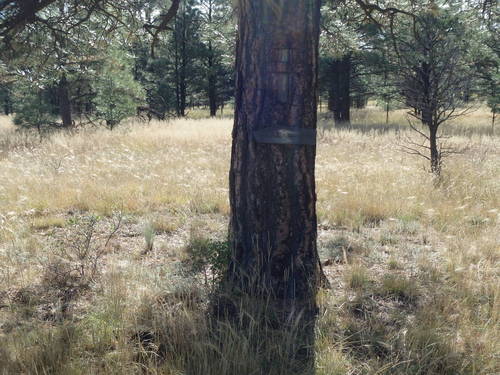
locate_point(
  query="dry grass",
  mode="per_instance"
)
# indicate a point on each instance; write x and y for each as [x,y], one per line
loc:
[414,266]
[145,169]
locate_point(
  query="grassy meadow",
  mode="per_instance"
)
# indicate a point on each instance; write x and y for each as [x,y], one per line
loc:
[107,242]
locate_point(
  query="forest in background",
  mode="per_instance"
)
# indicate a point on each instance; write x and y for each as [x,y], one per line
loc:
[104,61]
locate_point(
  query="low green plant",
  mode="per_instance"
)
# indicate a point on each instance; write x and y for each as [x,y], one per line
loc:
[207,256]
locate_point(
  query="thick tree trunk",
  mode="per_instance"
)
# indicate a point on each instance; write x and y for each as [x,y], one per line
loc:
[65,102]
[273,226]
[340,90]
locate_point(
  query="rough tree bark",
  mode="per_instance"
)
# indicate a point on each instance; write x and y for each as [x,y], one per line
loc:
[273,226]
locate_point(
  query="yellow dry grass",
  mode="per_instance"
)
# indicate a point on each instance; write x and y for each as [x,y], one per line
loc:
[6,124]
[415,287]
[147,168]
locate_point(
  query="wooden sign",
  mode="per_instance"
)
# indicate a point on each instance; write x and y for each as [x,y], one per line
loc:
[286,136]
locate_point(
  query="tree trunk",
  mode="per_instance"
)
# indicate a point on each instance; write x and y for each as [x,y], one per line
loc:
[340,90]
[183,67]
[65,102]
[182,81]
[212,82]
[7,101]
[6,107]
[435,156]
[360,102]
[273,226]
[176,71]
[493,118]
[331,99]
[212,77]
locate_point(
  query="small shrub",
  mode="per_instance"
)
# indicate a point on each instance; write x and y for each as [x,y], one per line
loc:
[77,256]
[76,263]
[209,257]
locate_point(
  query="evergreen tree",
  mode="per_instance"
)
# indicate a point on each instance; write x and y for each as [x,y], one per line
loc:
[33,108]
[433,70]
[117,93]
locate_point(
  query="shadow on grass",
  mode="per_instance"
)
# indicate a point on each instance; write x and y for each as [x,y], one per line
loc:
[384,328]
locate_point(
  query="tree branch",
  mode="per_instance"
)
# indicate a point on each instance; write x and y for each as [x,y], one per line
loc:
[165,20]
[24,14]
[369,8]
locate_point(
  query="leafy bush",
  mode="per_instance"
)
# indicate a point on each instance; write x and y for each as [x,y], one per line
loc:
[209,257]
[77,261]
